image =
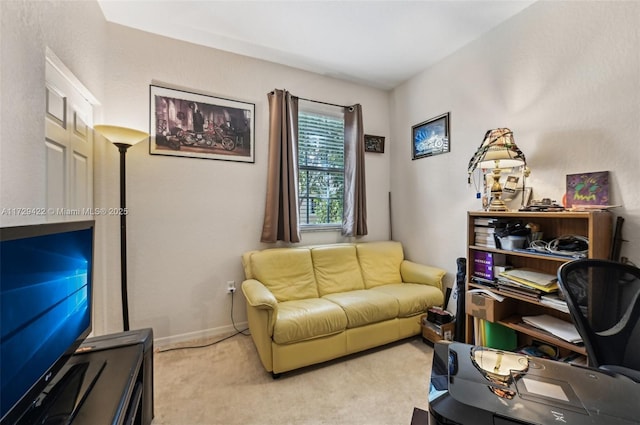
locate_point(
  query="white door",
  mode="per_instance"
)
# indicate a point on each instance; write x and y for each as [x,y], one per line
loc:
[69,146]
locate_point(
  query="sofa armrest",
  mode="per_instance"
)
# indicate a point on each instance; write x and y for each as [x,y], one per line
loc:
[258,295]
[420,273]
[262,310]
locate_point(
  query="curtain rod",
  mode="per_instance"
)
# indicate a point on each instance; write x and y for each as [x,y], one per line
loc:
[324,103]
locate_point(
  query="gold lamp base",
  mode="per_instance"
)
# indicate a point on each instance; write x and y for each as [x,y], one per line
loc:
[497,204]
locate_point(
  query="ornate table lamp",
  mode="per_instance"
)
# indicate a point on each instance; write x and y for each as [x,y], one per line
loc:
[123,138]
[498,150]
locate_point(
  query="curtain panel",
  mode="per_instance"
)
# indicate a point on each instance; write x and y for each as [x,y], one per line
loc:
[281,216]
[354,221]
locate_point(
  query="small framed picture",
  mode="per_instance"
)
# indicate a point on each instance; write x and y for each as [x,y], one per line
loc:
[373,143]
[511,184]
[431,137]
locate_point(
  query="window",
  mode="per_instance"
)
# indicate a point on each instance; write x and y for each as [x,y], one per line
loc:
[321,166]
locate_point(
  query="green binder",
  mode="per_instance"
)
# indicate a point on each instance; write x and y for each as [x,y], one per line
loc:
[500,337]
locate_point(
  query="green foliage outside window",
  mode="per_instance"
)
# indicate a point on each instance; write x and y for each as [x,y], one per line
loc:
[321,168]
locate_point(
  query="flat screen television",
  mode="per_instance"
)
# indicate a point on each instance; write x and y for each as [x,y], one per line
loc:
[46,275]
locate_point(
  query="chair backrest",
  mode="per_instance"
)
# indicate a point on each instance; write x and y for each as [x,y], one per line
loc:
[604,301]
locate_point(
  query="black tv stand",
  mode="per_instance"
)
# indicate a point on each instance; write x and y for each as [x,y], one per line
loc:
[108,381]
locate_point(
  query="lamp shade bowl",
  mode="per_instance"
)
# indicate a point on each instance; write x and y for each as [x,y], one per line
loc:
[121,135]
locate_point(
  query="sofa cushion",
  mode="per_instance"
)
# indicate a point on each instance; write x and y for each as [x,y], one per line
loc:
[286,272]
[364,307]
[413,298]
[299,320]
[336,268]
[380,262]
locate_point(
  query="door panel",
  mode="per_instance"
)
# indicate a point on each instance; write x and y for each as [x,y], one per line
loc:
[56,175]
[69,145]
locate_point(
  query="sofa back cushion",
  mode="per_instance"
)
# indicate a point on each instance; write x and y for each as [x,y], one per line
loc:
[380,262]
[337,268]
[286,272]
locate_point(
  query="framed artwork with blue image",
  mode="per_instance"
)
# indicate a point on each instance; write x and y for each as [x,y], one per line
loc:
[431,137]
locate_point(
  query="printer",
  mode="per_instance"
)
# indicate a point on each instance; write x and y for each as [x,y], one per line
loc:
[472,385]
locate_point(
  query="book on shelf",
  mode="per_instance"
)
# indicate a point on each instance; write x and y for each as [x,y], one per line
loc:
[483,263]
[482,238]
[487,245]
[485,221]
[554,301]
[482,281]
[529,278]
[524,293]
[532,276]
[558,327]
[484,230]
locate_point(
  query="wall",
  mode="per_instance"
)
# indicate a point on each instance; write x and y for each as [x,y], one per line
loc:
[564,76]
[28,28]
[191,219]
[75,32]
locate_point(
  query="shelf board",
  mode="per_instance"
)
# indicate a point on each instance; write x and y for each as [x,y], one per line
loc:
[515,323]
[558,258]
[542,214]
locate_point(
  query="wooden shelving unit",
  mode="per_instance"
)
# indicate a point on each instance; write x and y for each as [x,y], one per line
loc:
[595,225]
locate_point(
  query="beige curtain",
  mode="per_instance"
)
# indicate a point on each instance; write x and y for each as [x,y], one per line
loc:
[281,209]
[354,221]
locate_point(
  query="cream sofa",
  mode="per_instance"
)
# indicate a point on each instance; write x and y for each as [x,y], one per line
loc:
[312,304]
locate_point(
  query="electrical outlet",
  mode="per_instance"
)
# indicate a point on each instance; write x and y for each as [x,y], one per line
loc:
[231,286]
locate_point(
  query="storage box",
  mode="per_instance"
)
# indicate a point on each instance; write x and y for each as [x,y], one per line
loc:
[434,332]
[488,308]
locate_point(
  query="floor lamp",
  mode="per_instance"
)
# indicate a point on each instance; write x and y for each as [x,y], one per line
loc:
[123,138]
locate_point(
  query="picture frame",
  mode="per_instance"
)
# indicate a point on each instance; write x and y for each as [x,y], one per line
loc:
[431,137]
[587,189]
[373,143]
[197,125]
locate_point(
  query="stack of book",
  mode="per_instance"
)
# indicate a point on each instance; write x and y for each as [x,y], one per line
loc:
[527,283]
[484,264]
[485,229]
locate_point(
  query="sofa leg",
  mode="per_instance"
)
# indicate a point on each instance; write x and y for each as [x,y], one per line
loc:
[276,375]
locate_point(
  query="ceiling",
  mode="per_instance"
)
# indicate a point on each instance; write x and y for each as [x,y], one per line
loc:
[376,43]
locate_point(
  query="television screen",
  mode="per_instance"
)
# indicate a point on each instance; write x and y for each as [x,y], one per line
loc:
[45,306]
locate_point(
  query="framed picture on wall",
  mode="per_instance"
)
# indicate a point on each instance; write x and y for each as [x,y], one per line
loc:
[196,125]
[373,143]
[430,137]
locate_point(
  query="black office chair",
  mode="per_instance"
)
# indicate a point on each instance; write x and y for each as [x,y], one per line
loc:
[604,301]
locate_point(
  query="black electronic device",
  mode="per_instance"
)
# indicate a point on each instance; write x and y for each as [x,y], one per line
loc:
[143,337]
[439,316]
[473,385]
[46,302]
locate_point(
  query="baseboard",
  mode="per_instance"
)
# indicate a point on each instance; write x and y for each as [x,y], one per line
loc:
[221,332]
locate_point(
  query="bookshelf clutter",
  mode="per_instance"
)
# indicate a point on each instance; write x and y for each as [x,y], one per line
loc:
[512,296]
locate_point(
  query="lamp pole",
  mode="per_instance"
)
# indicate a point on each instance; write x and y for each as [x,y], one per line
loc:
[123,138]
[122,148]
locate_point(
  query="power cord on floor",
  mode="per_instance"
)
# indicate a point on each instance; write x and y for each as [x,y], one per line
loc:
[233,321]
[238,332]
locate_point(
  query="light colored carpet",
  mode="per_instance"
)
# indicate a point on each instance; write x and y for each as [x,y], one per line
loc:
[225,384]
